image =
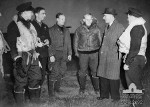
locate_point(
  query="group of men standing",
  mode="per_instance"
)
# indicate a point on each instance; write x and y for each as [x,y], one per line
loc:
[38,50]
[100,53]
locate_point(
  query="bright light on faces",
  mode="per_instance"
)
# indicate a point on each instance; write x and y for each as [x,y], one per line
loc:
[88,19]
[108,18]
[27,15]
[61,20]
[130,18]
[41,15]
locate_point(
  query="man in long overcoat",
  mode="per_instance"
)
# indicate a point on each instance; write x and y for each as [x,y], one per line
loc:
[109,61]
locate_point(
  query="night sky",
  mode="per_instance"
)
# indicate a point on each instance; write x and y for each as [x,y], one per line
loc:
[75,9]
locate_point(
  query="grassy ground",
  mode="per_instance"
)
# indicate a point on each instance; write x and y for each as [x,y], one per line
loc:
[70,97]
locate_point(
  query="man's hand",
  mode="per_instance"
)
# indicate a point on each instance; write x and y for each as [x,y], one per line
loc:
[39,43]
[77,54]
[52,59]
[46,42]
[69,57]
[126,67]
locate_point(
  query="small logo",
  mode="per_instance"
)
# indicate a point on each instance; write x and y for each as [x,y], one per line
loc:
[132,89]
[132,93]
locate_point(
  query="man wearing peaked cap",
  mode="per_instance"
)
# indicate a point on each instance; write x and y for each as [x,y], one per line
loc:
[23,40]
[109,63]
[133,42]
[135,12]
[25,7]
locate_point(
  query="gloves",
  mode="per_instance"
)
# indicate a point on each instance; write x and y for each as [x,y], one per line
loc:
[52,59]
[19,68]
[77,54]
[50,67]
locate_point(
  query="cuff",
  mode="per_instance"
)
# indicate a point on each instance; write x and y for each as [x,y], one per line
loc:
[16,57]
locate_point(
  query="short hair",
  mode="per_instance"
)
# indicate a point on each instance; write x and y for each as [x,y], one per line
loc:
[87,14]
[59,14]
[38,9]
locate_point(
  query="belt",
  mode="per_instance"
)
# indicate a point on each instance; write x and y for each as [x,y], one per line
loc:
[89,52]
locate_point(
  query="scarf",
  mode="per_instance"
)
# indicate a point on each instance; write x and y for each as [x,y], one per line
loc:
[28,40]
[124,40]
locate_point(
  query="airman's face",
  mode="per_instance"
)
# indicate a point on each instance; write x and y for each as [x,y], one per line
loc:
[41,15]
[61,20]
[28,15]
[88,19]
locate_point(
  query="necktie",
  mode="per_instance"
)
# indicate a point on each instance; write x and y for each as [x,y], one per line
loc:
[108,27]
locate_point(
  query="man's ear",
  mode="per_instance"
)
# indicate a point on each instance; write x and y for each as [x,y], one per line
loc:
[57,19]
[36,14]
[83,20]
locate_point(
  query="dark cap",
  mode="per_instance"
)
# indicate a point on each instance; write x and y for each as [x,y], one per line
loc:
[110,11]
[25,7]
[134,12]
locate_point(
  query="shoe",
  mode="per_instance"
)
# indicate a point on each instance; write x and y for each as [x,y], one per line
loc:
[115,100]
[59,91]
[81,92]
[97,92]
[101,98]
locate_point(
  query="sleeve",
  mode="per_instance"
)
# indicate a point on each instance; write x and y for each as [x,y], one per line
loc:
[120,33]
[121,30]
[136,35]
[12,34]
[48,35]
[51,48]
[76,39]
[99,35]
[69,49]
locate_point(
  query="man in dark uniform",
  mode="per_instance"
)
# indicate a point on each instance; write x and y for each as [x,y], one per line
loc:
[43,33]
[60,52]
[133,42]
[23,40]
[87,42]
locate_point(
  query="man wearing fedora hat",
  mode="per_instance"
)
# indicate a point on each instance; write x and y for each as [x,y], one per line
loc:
[22,39]
[133,42]
[109,63]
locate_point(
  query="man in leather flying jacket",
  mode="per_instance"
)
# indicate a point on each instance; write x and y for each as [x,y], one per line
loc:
[87,43]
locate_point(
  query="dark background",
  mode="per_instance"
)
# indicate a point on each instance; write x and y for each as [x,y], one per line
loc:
[75,9]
